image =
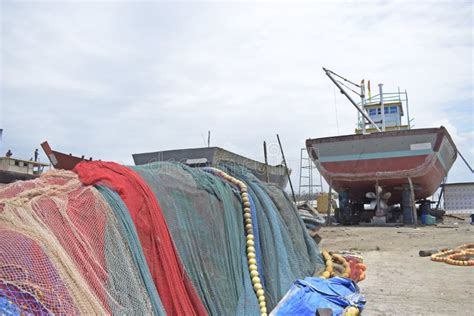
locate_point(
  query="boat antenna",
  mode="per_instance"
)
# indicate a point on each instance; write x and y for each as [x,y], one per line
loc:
[329,73]
[335,107]
[286,169]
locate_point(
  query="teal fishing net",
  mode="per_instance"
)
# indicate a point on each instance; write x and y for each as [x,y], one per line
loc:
[205,220]
[204,216]
[126,225]
[288,252]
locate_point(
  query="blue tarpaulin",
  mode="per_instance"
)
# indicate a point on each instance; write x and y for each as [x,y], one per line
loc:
[306,296]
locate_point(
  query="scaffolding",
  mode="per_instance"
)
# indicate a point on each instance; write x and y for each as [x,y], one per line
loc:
[311,181]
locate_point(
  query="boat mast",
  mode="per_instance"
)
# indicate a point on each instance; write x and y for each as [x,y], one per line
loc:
[382,110]
[329,74]
[362,102]
[408,111]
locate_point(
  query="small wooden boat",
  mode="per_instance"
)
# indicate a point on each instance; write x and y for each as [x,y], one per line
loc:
[60,160]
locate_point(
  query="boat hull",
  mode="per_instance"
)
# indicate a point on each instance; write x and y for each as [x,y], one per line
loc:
[357,163]
[60,160]
[9,177]
[214,156]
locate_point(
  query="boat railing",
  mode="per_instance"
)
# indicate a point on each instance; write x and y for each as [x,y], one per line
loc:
[387,97]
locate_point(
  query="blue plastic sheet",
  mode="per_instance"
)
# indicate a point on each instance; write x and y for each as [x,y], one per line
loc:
[306,296]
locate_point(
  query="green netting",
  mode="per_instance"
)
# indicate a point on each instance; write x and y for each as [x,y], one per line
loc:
[128,228]
[204,216]
[288,252]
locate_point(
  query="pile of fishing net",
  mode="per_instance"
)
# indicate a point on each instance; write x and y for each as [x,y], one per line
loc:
[161,239]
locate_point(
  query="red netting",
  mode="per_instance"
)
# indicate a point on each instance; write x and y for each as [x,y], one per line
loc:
[174,287]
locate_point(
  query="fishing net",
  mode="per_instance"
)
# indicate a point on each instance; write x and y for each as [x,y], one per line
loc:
[63,251]
[288,252]
[150,239]
[174,287]
[204,216]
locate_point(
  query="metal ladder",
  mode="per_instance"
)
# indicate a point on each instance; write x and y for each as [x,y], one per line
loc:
[308,184]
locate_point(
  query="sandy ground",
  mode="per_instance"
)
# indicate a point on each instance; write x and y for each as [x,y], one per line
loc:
[399,281]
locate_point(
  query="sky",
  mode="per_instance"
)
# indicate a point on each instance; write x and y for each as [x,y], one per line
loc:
[108,79]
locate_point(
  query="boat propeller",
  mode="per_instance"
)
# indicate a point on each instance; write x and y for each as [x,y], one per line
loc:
[379,200]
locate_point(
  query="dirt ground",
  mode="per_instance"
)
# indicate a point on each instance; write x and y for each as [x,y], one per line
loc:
[399,281]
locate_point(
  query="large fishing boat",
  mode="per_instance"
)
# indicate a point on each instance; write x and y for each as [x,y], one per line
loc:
[385,162]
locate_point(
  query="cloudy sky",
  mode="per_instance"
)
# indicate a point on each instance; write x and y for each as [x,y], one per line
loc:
[108,79]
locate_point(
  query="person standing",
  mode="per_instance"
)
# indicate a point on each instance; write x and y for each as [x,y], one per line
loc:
[36,154]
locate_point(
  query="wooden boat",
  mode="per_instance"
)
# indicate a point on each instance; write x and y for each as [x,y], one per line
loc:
[195,157]
[356,163]
[60,160]
[213,156]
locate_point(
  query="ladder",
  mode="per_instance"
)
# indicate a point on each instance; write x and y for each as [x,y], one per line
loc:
[309,183]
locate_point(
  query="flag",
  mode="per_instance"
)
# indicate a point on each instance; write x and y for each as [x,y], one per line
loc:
[368,89]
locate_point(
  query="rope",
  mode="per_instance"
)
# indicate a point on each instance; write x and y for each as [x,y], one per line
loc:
[459,256]
[332,258]
[347,80]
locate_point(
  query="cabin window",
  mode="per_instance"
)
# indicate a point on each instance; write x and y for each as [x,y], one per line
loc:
[372,112]
[393,109]
[379,111]
[385,110]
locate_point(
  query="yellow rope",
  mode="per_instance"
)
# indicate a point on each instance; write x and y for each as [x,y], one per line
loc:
[460,256]
[330,259]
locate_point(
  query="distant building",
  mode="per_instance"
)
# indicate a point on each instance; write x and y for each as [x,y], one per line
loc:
[459,197]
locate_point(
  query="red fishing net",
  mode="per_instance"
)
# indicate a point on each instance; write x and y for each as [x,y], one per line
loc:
[174,287]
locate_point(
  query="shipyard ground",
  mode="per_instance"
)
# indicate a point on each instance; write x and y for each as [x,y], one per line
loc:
[399,281]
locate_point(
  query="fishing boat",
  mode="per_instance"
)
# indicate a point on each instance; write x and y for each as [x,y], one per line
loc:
[215,157]
[194,157]
[13,169]
[61,160]
[385,162]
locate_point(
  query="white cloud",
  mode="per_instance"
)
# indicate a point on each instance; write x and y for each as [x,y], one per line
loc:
[110,79]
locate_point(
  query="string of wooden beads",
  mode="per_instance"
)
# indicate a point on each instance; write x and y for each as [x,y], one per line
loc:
[329,261]
[460,256]
[250,239]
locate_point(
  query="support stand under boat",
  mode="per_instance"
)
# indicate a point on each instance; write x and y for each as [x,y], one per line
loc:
[349,212]
[408,205]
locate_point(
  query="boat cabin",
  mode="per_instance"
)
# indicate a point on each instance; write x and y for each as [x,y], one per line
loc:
[392,113]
